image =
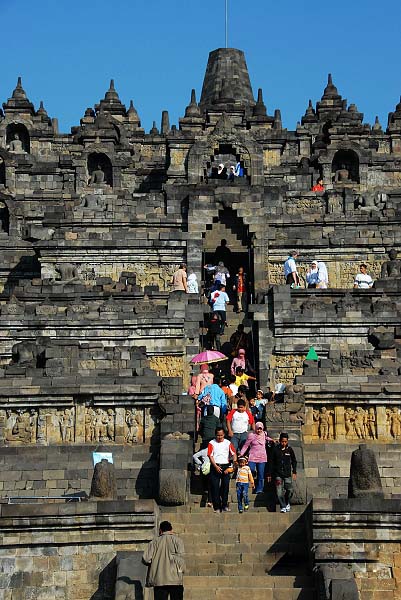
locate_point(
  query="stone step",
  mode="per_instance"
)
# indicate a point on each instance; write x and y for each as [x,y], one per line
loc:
[220,524]
[195,507]
[250,593]
[206,517]
[287,581]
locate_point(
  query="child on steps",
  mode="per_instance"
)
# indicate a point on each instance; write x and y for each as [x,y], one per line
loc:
[243,479]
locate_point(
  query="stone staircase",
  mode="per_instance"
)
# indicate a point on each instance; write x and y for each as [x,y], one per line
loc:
[257,554]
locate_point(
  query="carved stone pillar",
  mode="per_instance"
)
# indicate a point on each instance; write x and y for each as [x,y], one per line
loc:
[339,425]
[381,422]
[120,426]
[308,426]
[80,423]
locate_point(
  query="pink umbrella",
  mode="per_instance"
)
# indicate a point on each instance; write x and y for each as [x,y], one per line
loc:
[208,356]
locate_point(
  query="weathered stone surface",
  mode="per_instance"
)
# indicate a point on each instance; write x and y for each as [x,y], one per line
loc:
[104,484]
[173,486]
[364,474]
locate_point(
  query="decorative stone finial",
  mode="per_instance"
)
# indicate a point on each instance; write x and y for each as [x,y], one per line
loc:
[154,130]
[310,114]
[19,92]
[192,110]
[111,102]
[259,110]
[41,110]
[377,126]
[165,124]
[330,89]
[277,119]
[111,94]
[132,114]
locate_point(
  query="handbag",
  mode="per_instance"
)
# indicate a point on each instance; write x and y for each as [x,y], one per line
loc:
[205,468]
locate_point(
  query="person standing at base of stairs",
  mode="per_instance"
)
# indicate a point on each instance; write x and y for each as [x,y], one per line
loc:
[283,469]
[165,557]
[243,478]
[221,453]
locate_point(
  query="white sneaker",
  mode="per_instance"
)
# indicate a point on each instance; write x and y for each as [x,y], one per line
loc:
[283,510]
[288,508]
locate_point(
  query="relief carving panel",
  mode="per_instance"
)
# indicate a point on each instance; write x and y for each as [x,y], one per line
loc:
[353,423]
[286,367]
[51,426]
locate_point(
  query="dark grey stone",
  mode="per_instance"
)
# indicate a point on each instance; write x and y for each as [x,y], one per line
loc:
[364,474]
[104,485]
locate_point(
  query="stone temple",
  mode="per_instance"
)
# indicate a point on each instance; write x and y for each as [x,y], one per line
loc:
[95,347]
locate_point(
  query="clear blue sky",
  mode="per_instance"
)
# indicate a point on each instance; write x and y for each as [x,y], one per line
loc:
[67,50]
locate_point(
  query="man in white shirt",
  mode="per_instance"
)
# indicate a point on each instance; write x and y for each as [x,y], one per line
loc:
[219,299]
[290,269]
[221,453]
[363,281]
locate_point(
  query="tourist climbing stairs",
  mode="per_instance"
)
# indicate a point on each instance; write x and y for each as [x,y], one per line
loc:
[256,554]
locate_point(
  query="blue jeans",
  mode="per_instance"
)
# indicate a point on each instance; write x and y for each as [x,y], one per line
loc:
[260,469]
[242,494]
[238,440]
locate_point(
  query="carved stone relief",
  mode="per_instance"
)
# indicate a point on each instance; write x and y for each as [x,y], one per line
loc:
[286,367]
[341,273]
[353,423]
[146,273]
[77,424]
[298,206]
[167,366]
[170,366]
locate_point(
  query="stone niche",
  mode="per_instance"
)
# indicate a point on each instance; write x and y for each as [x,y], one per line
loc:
[353,422]
[77,424]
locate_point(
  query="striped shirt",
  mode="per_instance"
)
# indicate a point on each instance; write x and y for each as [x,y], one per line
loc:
[244,475]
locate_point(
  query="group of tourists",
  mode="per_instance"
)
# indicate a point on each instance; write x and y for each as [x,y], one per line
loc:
[231,424]
[317,275]
[219,462]
[247,454]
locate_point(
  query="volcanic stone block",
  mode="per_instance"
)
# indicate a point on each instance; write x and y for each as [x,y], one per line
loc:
[364,478]
[173,486]
[104,485]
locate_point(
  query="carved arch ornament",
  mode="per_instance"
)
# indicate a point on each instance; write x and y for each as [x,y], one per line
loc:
[225,134]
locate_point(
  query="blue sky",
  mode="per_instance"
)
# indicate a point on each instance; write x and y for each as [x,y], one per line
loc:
[67,51]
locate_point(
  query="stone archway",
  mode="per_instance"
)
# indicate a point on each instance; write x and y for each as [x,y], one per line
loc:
[205,211]
[349,160]
[227,136]
[98,161]
[229,155]
[18,131]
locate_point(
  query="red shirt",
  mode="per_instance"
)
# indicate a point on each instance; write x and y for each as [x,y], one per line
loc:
[318,188]
[241,284]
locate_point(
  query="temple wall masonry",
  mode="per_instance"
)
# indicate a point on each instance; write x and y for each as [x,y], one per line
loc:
[95,345]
